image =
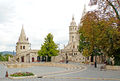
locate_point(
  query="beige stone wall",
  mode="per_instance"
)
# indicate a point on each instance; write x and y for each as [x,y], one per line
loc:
[108,67]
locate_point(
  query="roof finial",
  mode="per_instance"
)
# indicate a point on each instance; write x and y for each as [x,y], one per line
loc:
[22,26]
[73,17]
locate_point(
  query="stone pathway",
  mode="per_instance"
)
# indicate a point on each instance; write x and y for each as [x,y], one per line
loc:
[90,74]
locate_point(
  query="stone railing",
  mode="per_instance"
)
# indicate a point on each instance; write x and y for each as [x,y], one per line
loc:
[108,67]
[3,62]
[25,65]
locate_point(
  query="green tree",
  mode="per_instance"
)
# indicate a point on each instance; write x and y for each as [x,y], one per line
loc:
[89,32]
[2,57]
[49,48]
[6,56]
[99,36]
[109,7]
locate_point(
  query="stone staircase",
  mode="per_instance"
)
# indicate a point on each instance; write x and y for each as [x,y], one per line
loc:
[14,59]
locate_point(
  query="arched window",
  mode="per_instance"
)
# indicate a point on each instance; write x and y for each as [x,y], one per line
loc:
[72,38]
[20,47]
[73,46]
[23,47]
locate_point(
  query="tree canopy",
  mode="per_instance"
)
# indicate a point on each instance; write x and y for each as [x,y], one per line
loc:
[99,35]
[49,48]
[108,7]
[5,57]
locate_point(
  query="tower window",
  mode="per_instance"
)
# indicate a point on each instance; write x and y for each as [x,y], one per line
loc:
[23,47]
[87,58]
[72,38]
[20,47]
[73,46]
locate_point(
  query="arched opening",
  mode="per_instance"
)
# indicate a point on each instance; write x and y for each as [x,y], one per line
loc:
[23,47]
[20,47]
[22,59]
[38,58]
[73,46]
[43,58]
[17,59]
[49,59]
[32,59]
[91,58]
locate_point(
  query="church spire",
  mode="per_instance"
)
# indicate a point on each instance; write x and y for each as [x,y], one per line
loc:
[22,37]
[73,17]
[73,23]
[84,10]
[83,14]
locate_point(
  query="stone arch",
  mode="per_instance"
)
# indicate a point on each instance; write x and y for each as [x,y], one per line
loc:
[22,59]
[33,59]
[38,58]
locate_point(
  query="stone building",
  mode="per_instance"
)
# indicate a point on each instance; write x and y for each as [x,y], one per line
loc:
[70,51]
[24,53]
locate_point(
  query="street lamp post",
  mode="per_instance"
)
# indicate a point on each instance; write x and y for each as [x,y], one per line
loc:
[66,58]
[95,62]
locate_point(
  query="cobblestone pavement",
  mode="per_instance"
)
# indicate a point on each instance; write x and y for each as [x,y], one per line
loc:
[91,74]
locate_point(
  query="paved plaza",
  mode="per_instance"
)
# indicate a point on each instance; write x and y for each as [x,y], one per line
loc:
[88,74]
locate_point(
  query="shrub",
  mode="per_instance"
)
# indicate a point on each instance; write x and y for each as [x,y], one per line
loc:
[18,74]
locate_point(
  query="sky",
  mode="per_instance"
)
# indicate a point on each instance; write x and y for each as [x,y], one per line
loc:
[39,17]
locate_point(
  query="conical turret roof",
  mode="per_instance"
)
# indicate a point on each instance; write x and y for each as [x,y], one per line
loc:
[73,23]
[22,37]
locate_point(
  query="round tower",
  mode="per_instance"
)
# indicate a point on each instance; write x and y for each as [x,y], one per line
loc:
[72,31]
[23,43]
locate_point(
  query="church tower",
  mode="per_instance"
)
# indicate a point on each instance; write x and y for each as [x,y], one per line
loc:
[72,31]
[83,14]
[23,43]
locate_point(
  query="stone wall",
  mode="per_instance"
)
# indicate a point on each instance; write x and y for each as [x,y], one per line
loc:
[108,67]
[26,65]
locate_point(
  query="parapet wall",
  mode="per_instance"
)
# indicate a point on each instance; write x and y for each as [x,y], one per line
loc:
[108,67]
[26,65]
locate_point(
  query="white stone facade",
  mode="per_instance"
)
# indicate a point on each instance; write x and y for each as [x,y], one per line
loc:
[24,53]
[71,49]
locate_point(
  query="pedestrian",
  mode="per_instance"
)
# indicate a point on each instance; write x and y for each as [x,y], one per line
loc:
[6,74]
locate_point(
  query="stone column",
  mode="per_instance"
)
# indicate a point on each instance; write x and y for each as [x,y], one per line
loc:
[19,59]
[30,58]
[35,58]
[25,59]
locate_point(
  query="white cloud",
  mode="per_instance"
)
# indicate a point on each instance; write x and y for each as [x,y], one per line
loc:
[6,11]
[39,17]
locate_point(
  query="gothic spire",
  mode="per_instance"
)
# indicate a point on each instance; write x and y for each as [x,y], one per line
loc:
[84,10]
[83,14]
[73,23]
[22,37]
[73,17]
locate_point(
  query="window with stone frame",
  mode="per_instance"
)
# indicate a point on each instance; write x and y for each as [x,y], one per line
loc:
[23,47]
[72,38]
[20,47]
[88,58]
[73,46]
